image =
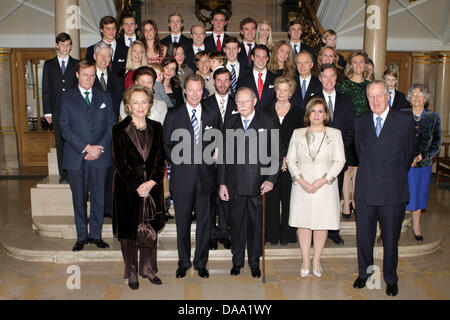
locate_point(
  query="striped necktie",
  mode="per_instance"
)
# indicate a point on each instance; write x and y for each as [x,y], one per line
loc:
[195,126]
[222,108]
[233,78]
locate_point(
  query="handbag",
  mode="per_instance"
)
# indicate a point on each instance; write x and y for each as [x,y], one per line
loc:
[152,223]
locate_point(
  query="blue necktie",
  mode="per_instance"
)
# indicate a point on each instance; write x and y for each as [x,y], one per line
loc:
[195,126]
[390,98]
[175,39]
[378,126]
[303,89]
[63,66]
[246,124]
[131,40]
[233,78]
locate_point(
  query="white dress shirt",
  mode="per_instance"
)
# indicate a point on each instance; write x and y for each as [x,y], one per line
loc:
[113,46]
[176,35]
[298,44]
[66,61]
[250,117]
[236,68]
[246,47]
[256,76]
[198,112]
[221,36]
[333,99]
[202,48]
[383,117]
[308,80]
[99,75]
[392,97]
[127,39]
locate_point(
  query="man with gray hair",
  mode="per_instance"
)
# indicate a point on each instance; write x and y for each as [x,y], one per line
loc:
[385,143]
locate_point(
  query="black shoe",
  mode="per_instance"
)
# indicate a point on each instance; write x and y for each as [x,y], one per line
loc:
[152,278]
[418,238]
[391,289]
[133,283]
[284,244]
[352,209]
[336,239]
[256,272]
[346,216]
[203,273]
[63,180]
[79,245]
[359,283]
[99,243]
[212,244]
[235,270]
[181,272]
[107,215]
[273,243]
[226,242]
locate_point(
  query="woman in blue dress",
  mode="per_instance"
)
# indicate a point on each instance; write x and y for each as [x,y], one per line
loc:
[428,131]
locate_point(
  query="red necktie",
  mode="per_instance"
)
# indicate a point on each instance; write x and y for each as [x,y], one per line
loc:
[260,85]
[218,45]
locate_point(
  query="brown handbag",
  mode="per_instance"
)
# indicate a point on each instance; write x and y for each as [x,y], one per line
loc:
[152,223]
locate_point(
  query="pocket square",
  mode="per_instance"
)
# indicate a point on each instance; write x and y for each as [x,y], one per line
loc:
[234,112]
[208,127]
[312,94]
[271,86]
[261,130]
[121,60]
[103,105]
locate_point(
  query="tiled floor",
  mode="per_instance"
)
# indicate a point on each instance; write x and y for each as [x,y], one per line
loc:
[421,277]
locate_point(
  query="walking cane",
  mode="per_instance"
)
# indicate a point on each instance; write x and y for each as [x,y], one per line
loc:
[263,237]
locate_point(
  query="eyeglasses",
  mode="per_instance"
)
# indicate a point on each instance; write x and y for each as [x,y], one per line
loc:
[244,102]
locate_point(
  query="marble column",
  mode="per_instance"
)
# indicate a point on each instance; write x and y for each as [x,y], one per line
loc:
[68,20]
[375,33]
[8,138]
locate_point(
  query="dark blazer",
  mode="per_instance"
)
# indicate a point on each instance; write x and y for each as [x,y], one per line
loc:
[54,83]
[305,47]
[133,166]
[246,179]
[382,177]
[119,60]
[242,57]
[211,44]
[179,118]
[268,94]
[115,87]
[343,118]
[81,125]
[399,101]
[230,109]
[189,58]
[184,41]
[314,88]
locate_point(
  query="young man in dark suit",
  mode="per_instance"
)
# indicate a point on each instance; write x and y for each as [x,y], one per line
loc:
[215,41]
[86,121]
[198,36]
[192,179]
[176,27]
[294,34]
[260,80]
[223,103]
[108,31]
[243,183]
[232,48]
[58,76]
[342,117]
[129,30]
[308,86]
[385,143]
[248,34]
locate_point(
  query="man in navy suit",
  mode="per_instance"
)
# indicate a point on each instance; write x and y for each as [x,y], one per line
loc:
[295,33]
[248,34]
[342,117]
[260,80]
[215,41]
[232,50]
[192,179]
[129,30]
[58,76]
[86,121]
[198,36]
[176,26]
[385,143]
[308,86]
[108,31]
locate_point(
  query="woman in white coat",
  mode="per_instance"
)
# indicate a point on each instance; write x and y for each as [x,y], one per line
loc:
[315,158]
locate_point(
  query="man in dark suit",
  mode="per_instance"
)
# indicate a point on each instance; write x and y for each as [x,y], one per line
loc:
[342,117]
[176,27]
[295,33]
[192,178]
[215,41]
[58,76]
[308,86]
[108,31]
[232,48]
[198,36]
[222,102]
[260,80]
[86,120]
[385,143]
[242,183]
[129,30]
[248,34]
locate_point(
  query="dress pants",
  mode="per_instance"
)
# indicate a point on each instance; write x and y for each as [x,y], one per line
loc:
[246,228]
[391,218]
[277,228]
[59,141]
[219,211]
[89,181]
[186,200]
[147,259]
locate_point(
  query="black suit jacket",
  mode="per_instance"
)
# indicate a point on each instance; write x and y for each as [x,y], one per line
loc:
[54,83]
[187,170]
[268,93]
[189,58]
[211,44]
[399,101]
[314,89]
[230,110]
[119,60]
[246,179]
[382,177]
[343,118]
[184,41]
[115,88]
[242,57]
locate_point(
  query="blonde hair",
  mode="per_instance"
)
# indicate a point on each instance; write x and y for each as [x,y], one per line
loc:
[269,42]
[129,65]
[327,33]
[289,67]
[290,81]
[137,88]
[311,104]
